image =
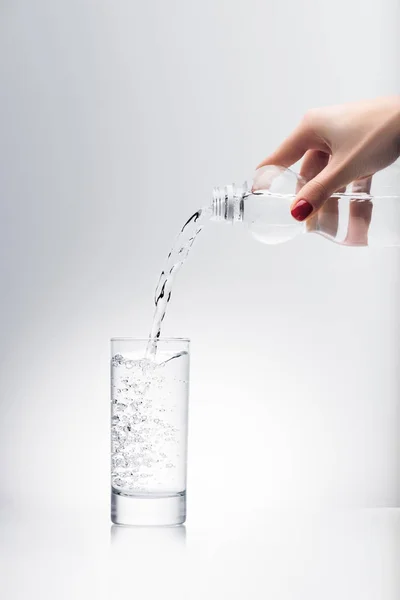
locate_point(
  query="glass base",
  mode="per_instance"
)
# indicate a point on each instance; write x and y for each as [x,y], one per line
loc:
[148,510]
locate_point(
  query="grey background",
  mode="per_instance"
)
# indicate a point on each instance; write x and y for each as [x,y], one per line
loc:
[116,120]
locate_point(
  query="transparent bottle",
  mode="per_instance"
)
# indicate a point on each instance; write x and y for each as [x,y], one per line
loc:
[366,213]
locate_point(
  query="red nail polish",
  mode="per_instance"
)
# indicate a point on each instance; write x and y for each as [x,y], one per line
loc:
[301,210]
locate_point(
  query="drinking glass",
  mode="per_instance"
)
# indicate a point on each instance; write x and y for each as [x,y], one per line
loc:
[149,423]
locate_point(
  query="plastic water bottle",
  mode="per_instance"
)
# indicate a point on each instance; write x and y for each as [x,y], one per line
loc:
[349,217]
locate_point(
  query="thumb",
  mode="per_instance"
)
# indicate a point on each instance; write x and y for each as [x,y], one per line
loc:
[317,191]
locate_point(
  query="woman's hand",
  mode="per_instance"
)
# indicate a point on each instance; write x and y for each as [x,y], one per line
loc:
[340,144]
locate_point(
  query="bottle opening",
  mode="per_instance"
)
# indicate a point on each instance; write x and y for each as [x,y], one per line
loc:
[227,203]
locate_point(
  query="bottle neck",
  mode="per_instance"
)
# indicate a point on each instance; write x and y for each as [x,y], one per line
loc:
[227,204]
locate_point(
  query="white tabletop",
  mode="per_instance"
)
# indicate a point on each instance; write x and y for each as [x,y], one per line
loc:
[267,553]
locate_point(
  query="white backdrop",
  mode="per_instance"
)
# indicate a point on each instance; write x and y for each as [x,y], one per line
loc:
[117,118]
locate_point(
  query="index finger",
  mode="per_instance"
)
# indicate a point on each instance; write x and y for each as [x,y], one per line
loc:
[294,147]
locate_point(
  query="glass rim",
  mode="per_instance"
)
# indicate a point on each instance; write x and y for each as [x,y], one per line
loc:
[148,339]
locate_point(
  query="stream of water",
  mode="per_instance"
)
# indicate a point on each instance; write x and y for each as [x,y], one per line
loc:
[175,260]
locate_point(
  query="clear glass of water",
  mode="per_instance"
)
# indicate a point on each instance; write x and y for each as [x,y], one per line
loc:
[149,423]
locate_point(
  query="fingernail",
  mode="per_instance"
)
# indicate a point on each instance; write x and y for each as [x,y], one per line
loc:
[301,210]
